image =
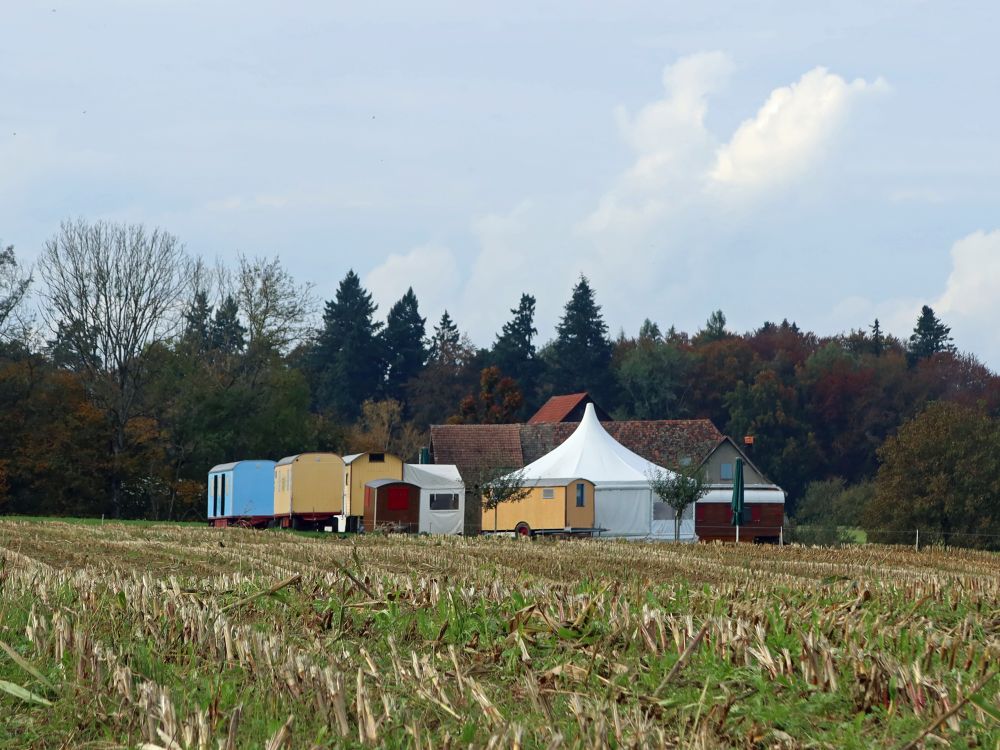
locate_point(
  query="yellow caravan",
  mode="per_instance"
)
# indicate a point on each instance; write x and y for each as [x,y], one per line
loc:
[553,506]
[359,469]
[308,489]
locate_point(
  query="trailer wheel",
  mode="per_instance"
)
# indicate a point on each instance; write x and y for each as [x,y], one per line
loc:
[522,529]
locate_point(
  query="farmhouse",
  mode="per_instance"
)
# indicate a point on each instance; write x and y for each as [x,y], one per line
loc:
[668,442]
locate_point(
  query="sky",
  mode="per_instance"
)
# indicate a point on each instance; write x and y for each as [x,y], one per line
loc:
[772,159]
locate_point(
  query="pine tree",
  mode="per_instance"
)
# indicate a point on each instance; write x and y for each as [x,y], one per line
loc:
[878,339]
[348,360]
[445,341]
[197,319]
[403,343]
[514,349]
[930,336]
[581,353]
[226,332]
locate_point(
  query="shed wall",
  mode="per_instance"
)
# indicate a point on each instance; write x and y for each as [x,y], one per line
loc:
[580,518]
[385,517]
[360,472]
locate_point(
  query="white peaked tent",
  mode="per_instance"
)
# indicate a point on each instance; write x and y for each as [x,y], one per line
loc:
[623,499]
[442,497]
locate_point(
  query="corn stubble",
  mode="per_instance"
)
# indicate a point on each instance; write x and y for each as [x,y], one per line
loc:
[161,637]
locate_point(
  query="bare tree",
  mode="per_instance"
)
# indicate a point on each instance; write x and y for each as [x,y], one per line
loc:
[679,488]
[112,291]
[14,284]
[276,308]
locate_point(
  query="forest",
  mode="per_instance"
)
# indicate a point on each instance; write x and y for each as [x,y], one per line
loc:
[128,368]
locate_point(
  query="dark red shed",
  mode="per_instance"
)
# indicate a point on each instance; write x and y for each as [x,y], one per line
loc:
[392,505]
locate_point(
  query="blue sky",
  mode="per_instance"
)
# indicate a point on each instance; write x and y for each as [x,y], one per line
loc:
[771,159]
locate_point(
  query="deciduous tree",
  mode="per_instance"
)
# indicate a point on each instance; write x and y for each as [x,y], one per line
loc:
[112,291]
[680,489]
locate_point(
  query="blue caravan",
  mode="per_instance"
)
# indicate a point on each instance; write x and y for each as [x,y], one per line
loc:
[241,493]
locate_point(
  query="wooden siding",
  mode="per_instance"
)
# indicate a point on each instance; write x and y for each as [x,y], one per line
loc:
[311,484]
[360,472]
[580,518]
[540,513]
[763,522]
[380,515]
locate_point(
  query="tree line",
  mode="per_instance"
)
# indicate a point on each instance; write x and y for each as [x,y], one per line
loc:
[145,367]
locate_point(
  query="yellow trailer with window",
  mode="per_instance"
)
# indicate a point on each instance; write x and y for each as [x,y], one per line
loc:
[308,490]
[552,506]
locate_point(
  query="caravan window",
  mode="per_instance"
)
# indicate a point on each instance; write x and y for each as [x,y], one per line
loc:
[548,493]
[444,501]
[215,495]
[222,502]
[376,458]
[580,501]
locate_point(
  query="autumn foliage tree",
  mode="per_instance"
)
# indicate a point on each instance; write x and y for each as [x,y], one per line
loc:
[497,402]
[940,474]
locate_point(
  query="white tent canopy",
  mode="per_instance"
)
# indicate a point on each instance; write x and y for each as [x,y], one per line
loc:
[623,498]
[442,497]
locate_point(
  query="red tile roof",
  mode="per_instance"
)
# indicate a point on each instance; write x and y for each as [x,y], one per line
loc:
[476,446]
[557,408]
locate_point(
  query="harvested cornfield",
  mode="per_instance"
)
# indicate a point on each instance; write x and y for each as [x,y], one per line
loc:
[181,637]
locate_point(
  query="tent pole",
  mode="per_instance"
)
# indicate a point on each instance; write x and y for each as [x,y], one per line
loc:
[737,533]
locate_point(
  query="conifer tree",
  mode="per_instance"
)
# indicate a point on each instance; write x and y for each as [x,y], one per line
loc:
[930,336]
[403,342]
[348,359]
[226,332]
[878,339]
[514,349]
[581,353]
[445,341]
[197,319]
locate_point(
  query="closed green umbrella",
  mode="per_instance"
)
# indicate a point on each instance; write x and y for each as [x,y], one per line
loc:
[738,497]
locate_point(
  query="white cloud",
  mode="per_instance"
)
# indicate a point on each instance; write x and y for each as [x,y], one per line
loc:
[790,131]
[973,287]
[968,303]
[680,164]
[670,140]
[430,269]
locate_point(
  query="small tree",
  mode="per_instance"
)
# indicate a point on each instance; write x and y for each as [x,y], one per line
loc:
[679,488]
[493,484]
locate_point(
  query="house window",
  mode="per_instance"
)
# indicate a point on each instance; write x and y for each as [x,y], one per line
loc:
[376,458]
[444,501]
[726,472]
[580,499]
[215,495]
[686,461]
[662,511]
[548,494]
